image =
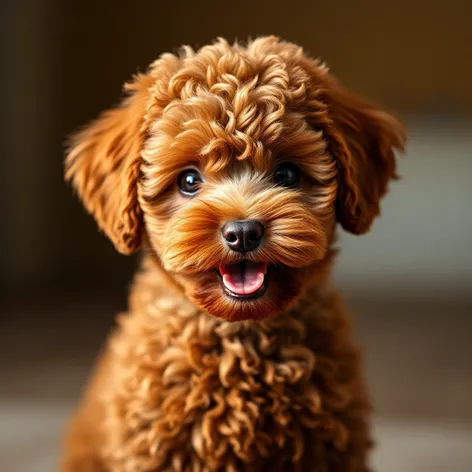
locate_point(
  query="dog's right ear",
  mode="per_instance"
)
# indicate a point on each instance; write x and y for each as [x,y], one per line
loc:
[103,164]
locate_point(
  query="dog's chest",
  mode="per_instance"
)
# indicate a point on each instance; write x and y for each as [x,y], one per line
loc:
[226,394]
[204,395]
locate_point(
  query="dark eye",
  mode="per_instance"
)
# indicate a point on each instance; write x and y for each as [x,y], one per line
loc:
[189,182]
[287,175]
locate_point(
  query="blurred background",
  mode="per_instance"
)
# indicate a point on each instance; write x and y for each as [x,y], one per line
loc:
[408,282]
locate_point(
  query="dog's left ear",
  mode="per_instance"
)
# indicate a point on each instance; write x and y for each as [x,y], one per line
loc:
[363,140]
[103,164]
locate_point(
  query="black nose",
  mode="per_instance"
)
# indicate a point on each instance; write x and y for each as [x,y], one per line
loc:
[244,235]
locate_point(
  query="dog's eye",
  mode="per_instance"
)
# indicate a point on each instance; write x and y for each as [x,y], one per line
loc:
[287,175]
[189,182]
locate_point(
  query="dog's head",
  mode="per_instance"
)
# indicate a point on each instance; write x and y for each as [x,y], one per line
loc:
[234,164]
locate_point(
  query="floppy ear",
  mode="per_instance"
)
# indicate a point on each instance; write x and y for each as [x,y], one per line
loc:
[363,140]
[103,164]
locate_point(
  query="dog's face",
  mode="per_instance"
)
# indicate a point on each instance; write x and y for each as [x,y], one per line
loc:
[236,163]
[240,226]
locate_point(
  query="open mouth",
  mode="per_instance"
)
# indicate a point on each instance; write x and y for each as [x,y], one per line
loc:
[244,280]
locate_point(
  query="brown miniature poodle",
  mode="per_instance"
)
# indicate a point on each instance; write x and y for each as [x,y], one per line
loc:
[230,167]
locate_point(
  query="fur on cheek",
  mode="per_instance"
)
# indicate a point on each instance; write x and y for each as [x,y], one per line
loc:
[191,240]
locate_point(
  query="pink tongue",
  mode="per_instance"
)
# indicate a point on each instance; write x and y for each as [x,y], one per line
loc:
[244,278]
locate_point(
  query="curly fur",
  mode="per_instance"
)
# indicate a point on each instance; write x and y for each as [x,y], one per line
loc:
[192,380]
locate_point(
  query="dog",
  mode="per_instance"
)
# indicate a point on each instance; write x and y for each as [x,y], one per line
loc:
[230,168]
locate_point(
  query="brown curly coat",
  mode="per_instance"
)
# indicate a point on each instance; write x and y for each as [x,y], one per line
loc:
[192,380]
